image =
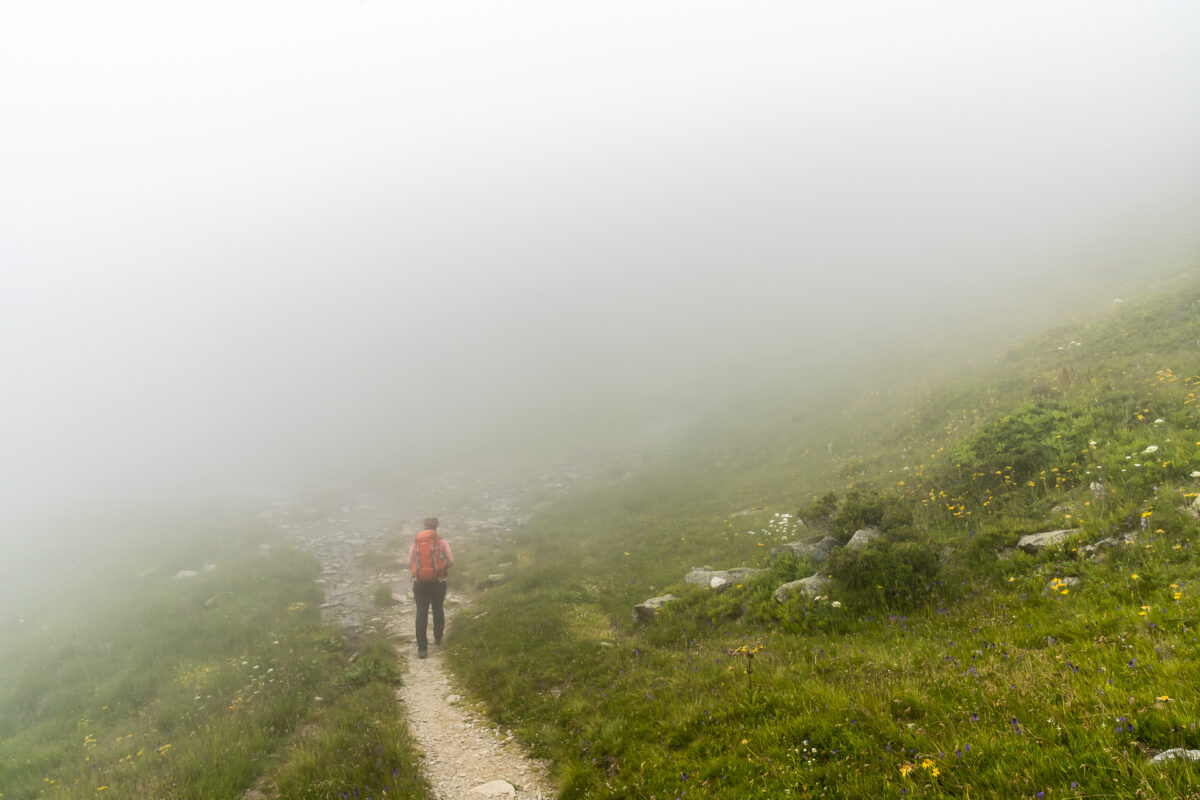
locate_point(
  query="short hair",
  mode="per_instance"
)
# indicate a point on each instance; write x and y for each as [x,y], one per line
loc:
[431,523]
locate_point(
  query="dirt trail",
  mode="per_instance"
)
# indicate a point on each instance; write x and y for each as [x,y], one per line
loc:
[464,755]
[462,750]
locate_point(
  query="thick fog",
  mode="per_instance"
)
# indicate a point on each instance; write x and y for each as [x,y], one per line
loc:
[247,245]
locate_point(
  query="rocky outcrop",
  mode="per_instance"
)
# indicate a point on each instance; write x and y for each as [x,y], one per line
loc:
[720,578]
[646,609]
[862,537]
[812,586]
[1037,542]
[816,552]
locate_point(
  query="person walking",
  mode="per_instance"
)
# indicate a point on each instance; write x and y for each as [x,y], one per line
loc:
[429,559]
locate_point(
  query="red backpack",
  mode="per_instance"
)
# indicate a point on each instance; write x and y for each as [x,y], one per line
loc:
[431,562]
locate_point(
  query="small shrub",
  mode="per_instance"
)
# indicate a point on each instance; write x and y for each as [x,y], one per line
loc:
[819,513]
[888,572]
[867,508]
[383,596]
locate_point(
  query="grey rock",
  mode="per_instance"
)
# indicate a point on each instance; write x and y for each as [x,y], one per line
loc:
[1096,549]
[1176,752]
[494,789]
[1037,542]
[1007,553]
[1058,584]
[184,573]
[704,576]
[495,579]
[646,609]
[812,586]
[863,537]
[1059,510]
[817,552]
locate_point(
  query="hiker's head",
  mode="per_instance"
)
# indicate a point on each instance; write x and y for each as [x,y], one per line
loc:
[431,523]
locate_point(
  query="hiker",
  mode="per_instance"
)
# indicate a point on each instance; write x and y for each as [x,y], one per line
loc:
[429,559]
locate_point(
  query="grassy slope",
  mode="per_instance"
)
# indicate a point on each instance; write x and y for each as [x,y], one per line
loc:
[201,688]
[986,680]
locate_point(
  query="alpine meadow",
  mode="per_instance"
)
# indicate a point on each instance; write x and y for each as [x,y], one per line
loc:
[939,660]
[599,401]
[933,658]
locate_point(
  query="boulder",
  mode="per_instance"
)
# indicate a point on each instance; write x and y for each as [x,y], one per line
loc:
[816,552]
[1176,752]
[646,609]
[1037,542]
[862,537]
[812,586]
[720,578]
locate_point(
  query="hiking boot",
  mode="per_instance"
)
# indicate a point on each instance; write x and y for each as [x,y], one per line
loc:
[422,652]
[437,640]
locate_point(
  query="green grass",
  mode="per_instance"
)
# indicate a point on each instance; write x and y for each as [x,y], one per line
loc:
[983,670]
[202,688]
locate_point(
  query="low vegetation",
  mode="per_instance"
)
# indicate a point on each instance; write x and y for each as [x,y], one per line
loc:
[204,688]
[940,662]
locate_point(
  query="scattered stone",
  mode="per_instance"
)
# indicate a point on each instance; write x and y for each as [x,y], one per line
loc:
[1037,542]
[452,699]
[1007,553]
[493,789]
[1058,584]
[184,573]
[1096,549]
[718,583]
[1176,752]
[863,537]
[646,609]
[703,576]
[1194,508]
[817,553]
[495,579]
[812,586]
[1060,510]
[1150,450]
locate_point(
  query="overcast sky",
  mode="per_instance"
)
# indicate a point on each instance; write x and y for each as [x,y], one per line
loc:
[241,240]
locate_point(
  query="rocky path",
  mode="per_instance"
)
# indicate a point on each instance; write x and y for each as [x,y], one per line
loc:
[464,756]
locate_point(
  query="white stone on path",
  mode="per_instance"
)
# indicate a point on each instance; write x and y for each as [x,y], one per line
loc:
[495,789]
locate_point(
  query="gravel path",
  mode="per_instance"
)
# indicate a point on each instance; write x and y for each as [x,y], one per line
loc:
[464,756]
[463,752]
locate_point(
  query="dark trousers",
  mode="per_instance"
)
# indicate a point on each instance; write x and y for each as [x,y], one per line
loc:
[427,594]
